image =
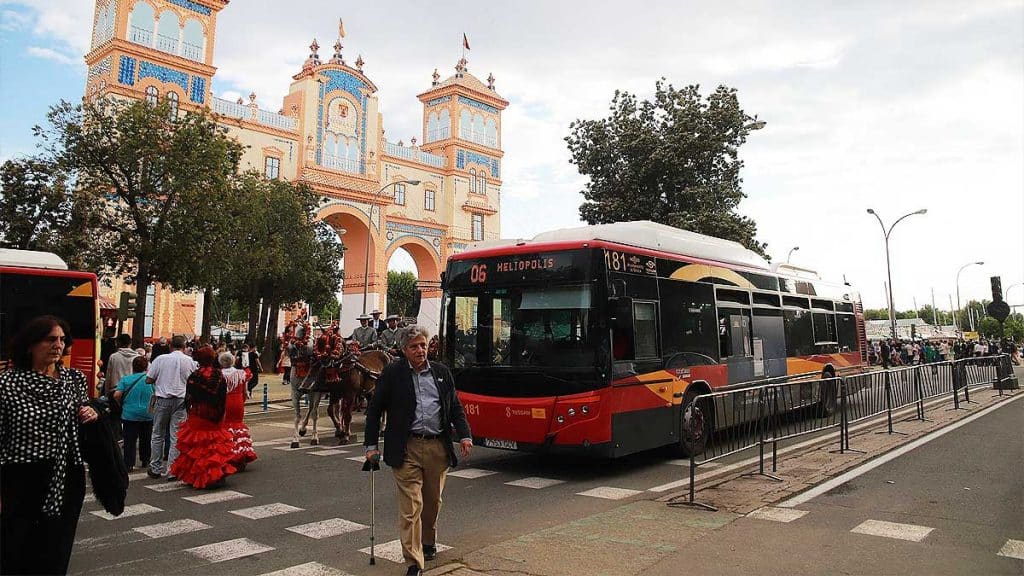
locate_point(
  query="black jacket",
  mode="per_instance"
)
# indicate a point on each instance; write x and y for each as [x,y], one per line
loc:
[396,396]
[100,450]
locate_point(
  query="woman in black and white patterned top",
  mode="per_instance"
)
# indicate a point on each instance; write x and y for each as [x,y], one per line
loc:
[41,407]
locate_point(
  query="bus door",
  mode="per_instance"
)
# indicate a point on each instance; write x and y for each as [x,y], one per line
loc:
[736,345]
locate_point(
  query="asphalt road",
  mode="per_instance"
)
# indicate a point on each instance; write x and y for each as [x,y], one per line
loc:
[947,507]
[492,497]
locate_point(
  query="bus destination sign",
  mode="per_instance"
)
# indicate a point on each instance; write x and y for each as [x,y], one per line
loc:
[519,268]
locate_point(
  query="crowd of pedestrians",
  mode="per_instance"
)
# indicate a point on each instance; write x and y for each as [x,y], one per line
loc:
[893,352]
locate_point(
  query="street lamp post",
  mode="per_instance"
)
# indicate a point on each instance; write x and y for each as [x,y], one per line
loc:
[958,312]
[888,267]
[790,255]
[369,229]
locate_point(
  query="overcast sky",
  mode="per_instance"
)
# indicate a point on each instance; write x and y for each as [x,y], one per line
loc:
[890,105]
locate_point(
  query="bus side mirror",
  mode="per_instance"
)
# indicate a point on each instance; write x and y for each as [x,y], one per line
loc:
[620,311]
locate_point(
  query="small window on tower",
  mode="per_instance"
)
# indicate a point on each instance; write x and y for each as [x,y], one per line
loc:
[152,96]
[400,194]
[272,167]
[472,179]
[172,102]
[478,227]
[428,200]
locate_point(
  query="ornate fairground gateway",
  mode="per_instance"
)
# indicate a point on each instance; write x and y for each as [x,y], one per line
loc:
[328,133]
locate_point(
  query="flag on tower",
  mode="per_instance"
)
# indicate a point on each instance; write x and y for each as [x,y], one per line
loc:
[465,41]
[341,28]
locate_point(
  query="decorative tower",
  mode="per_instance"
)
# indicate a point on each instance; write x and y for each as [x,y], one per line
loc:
[462,122]
[154,50]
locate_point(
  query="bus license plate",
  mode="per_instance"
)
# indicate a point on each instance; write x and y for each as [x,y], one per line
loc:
[503,444]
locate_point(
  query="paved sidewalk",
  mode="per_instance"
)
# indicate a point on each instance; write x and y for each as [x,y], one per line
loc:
[648,536]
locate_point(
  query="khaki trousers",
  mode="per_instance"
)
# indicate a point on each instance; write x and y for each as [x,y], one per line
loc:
[420,481]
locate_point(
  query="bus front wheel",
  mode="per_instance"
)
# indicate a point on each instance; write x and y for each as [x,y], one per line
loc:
[694,426]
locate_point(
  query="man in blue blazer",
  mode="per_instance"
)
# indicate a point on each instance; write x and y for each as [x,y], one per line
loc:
[422,409]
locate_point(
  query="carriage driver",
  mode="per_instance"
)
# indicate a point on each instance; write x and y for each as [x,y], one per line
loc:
[365,334]
[389,336]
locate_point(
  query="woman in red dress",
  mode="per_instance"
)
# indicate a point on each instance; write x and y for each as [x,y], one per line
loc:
[205,446]
[234,412]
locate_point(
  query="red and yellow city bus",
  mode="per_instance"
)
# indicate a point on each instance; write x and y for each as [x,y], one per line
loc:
[37,283]
[599,337]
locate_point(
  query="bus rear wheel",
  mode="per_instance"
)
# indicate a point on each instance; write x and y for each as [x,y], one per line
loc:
[694,426]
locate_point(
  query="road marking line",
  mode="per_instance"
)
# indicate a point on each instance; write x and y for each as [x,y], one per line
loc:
[129,511]
[219,496]
[265,511]
[393,551]
[228,550]
[1013,549]
[288,449]
[869,466]
[609,493]
[535,482]
[471,473]
[166,486]
[308,569]
[893,530]
[138,476]
[777,514]
[357,458]
[329,452]
[327,528]
[279,425]
[725,469]
[172,528]
[261,443]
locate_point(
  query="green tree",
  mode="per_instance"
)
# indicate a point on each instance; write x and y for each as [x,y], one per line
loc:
[35,205]
[972,308]
[1013,328]
[876,314]
[673,160]
[401,292]
[989,327]
[144,174]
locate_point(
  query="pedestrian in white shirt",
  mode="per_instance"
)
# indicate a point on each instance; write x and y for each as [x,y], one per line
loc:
[168,374]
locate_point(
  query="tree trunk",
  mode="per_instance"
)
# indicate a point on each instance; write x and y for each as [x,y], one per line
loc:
[270,348]
[142,281]
[254,310]
[207,314]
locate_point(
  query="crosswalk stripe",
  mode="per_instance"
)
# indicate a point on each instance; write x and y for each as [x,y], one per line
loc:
[1013,549]
[228,550]
[308,569]
[266,511]
[172,528]
[327,528]
[219,496]
[328,452]
[129,511]
[893,530]
[609,493]
[261,443]
[166,486]
[290,449]
[777,514]
[471,473]
[535,482]
[393,551]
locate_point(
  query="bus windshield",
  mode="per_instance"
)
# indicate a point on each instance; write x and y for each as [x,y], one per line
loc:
[550,326]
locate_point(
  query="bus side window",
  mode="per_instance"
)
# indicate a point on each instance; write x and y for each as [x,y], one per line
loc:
[645,329]
[734,333]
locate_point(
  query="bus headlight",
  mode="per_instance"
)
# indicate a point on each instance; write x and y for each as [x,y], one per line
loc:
[572,412]
[560,419]
[585,410]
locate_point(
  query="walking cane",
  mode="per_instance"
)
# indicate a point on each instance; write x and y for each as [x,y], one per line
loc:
[370,466]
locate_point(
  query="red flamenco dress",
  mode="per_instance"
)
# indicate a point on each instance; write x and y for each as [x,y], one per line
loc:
[206,448]
[234,413]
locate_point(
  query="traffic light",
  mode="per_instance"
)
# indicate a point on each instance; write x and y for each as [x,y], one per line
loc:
[127,308]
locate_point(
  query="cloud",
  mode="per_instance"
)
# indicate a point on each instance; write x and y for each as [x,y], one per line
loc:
[11,20]
[51,54]
[892,105]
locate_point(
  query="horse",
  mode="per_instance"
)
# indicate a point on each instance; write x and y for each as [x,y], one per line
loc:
[302,378]
[357,379]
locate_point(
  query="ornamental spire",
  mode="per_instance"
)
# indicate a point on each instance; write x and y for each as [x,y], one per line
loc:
[337,58]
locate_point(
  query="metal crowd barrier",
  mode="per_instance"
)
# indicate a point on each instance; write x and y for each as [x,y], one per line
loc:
[720,424]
